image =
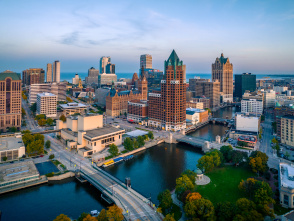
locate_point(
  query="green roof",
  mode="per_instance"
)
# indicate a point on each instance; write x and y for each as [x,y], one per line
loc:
[222,59]
[13,75]
[173,60]
[278,104]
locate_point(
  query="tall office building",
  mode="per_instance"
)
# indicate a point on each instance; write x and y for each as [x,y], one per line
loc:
[56,71]
[47,104]
[49,73]
[203,87]
[167,108]
[146,61]
[92,76]
[110,68]
[222,70]
[33,76]
[244,82]
[103,62]
[10,100]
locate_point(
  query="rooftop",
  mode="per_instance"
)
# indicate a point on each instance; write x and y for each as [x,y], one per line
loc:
[257,115]
[192,111]
[102,131]
[75,134]
[288,117]
[10,143]
[46,94]
[72,105]
[286,175]
[136,133]
[10,172]
[7,73]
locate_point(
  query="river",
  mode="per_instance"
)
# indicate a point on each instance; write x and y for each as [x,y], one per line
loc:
[151,172]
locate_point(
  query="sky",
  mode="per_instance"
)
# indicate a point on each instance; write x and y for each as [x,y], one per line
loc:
[257,36]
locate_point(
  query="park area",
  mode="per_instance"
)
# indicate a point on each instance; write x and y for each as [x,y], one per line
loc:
[224,184]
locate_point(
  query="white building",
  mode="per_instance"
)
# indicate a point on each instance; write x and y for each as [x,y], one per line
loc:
[47,104]
[11,146]
[280,89]
[72,108]
[196,116]
[247,122]
[269,98]
[286,185]
[76,79]
[251,106]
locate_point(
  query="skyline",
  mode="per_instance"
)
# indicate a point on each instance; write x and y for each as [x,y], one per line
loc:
[256,36]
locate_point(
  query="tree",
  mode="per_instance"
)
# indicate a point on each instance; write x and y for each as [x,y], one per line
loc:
[135,143]
[82,216]
[62,217]
[40,116]
[274,125]
[193,196]
[248,186]
[25,131]
[49,121]
[62,118]
[238,156]
[146,137]
[246,211]
[102,216]
[24,97]
[205,163]
[33,107]
[48,144]
[128,144]
[23,112]
[227,152]
[165,200]
[150,135]
[89,218]
[191,174]
[242,143]
[274,140]
[258,161]
[27,138]
[51,156]
[40,137]
[13,129]
[4,158]
[183,183]
[169,217]
[287,154]
[114,213]
[218,157]
[68,99]
[201,209]
[41,122]
[224,211]
[141,141]
[113,150]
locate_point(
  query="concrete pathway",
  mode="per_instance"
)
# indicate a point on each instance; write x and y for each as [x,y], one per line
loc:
[178,203]
[204,181]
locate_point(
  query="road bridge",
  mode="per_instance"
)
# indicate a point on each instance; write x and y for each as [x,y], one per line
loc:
[193,141]
[45,132]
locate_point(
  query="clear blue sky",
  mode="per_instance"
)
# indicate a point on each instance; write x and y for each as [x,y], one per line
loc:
[257,36]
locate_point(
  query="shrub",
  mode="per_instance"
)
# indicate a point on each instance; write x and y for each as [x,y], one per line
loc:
[50,174]
[267,175]
[51,156]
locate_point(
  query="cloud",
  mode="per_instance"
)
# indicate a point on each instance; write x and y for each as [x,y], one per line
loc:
[70,39]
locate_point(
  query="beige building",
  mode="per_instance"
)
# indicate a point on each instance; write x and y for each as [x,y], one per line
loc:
[198,105]
[196,116]
[11,146]
[87,134]
[106,79]
[286,185]
[146,61]
[222,70]
[73,108]
[10,100]
[76,79]
[287,130]
[56,71]
[47,104]
[49,73]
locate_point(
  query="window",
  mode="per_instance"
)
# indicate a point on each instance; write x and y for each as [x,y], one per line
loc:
[286,200]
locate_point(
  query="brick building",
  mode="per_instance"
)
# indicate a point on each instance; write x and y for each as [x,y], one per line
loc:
[33,76]
[138,111]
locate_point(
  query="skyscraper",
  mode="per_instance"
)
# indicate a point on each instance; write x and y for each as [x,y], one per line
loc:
[33,76]
[110,68]
[56,71]
[92,76]
[222,70]
[103,62]
[244,82]
[10,100]
[167,108]
[146,61]
[49,73]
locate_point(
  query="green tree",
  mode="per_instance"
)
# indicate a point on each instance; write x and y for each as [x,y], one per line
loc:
[150,135]
[68,99]
[128,144]
[49,121]
[205,163]
[24,97]
[218,157]
[90,218]
[4,158]
[274,125]
[165,200]
[258,162]
[238,156]
[227,152]
[33,107]
[135,143]
[201,209]
[48,144]
[82,216]
[40,116]
[41,122]
[246,211]
[275,141]
[287,154]
[146,137]
[13,129]
[25,131]
[114,213]
[102,216]
[40,137]
[141,141]
[225,211]
[113,150]
[190,174]
[62,118]
[51,156]
[23,112]
[62,217]
[242,143]
[183,183]
[169,217]
[248,186]
[27,138]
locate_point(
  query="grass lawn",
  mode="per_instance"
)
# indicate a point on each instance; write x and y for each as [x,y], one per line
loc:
[279,210]
[224,184]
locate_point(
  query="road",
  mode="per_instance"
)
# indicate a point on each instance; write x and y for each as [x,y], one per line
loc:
[136,208]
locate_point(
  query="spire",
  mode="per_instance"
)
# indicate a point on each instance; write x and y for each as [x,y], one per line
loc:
[173,60]
[222,55]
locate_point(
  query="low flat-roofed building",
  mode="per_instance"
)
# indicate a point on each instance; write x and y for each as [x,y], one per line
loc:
[286,185]
[11,146]
[136,133]
[18,173]
[247,122]
[72,108]
[196,115]
[235,134]
[250,140]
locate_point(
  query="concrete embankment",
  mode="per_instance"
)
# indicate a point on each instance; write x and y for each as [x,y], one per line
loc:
[147,145]
[61,177]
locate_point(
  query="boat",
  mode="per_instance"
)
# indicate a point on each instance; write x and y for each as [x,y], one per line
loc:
[94,213]
[108,163]
[118,159]
[128,157]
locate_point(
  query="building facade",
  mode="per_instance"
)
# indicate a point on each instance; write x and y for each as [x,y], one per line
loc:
[56,71]
[138,111]
[222,70]
[12,146]
[10,100]
[286,185]
[146,61]
[47,104]
[251,106]
[76,79]
[170,102]
[106,79]
[269,98]
[33,76]
[92,76]
[244,82]
[103,62]
[203,87]
[196,116]
[247,122]
[110,68]
[73,108]
[287,130]
[49,73]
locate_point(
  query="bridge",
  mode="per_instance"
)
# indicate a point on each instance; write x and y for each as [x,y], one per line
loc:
[195,127]
[193,141]
[45,131]
[228,122]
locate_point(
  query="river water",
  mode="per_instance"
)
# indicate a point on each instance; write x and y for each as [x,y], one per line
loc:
[151,172]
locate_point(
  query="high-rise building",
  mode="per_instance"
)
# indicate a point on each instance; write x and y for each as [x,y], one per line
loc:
[47,104]
[33,76]
[103,62]
[76,79]
[244,82]
[92,76]
[269,98]
[10,100]
[56,71]
[49,73]
[110,68]
[146,61]
[203,87]
[222,70]
[167,108]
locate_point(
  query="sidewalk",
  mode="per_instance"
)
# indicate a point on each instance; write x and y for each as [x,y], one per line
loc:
[178,203]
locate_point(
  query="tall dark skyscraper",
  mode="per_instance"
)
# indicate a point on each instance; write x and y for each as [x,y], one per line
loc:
[244,82]
[167,108]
